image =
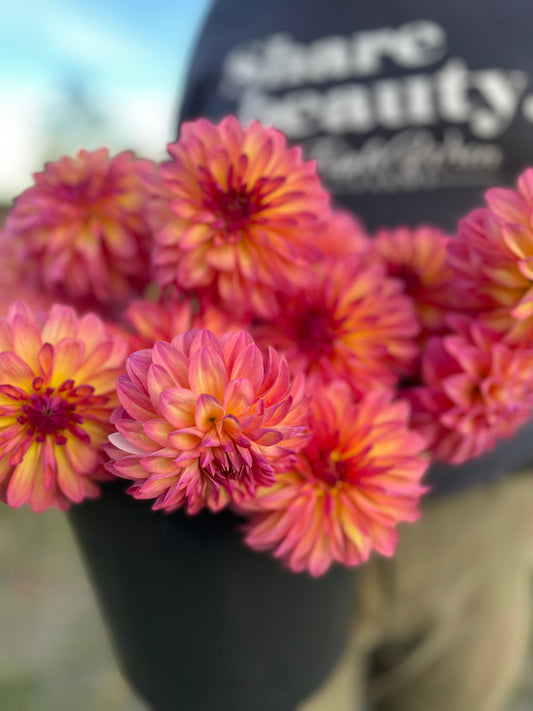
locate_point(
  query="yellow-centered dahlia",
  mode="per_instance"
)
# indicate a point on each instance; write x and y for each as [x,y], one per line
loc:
[57,393]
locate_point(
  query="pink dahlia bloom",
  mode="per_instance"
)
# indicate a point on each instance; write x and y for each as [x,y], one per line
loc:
[493,254]
[57,393]
[82,228]
[162,320]
[419,258]
[477,389]
[343,495]
[17,283]
[237,213]
[204,421]
[342,235]
[352,323]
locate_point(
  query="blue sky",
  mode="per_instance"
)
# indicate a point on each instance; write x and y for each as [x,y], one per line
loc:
[127,58]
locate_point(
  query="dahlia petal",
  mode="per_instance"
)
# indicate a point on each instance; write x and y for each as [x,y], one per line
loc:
[178,407]
[14,370]
[207,373]
[26,340]
[384,540]
[266,437]
[157,380]
[119,441]
[209,411]
[233,344]
[128,467]
[223,258]
[238,397]
[507,204]
[45,358]
[194,236]
[137,366]
[183,440]
[160,465]
[69,482]
[94,362]
[68,355]
[136,404]
[173,361]
[21,483]
[82,456]
[43,497]
[158,431]
[249,365]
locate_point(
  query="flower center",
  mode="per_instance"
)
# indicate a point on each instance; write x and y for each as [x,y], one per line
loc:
[411,279]
[47,413]
[315,334]
[51,411]
[81,193]
[233,210]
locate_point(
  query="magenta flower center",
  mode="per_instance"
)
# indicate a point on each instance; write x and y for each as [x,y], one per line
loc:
[48,413]
[51,411]
[233,210]
[86,192]
[315,333]
[410,278]
[329,471]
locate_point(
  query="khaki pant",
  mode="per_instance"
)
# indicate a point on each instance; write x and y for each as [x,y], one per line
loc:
[443,625]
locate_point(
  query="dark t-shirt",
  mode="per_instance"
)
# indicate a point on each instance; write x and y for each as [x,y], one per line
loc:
[412,109]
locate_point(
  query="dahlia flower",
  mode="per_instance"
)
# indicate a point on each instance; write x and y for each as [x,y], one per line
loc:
[341,235]
[345,492]
[476,389]
[352,323]
[419,258]
[493,254]
[237,213]
[82,229]
[17,283]
[162,320]
[203,421]
[57,393]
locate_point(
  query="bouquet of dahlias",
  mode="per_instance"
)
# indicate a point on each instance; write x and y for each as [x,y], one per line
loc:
[214,332]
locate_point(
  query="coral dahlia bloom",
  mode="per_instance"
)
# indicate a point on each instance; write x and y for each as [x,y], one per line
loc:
[57,393]
[17,283]
[204,421]
[82,227]
[352,323]
[342,235]
[419,258]
[162,320]
[493,254]
[477,389]
[238,209]
[358,476]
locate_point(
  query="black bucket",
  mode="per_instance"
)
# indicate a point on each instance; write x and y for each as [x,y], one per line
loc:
[200,622]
